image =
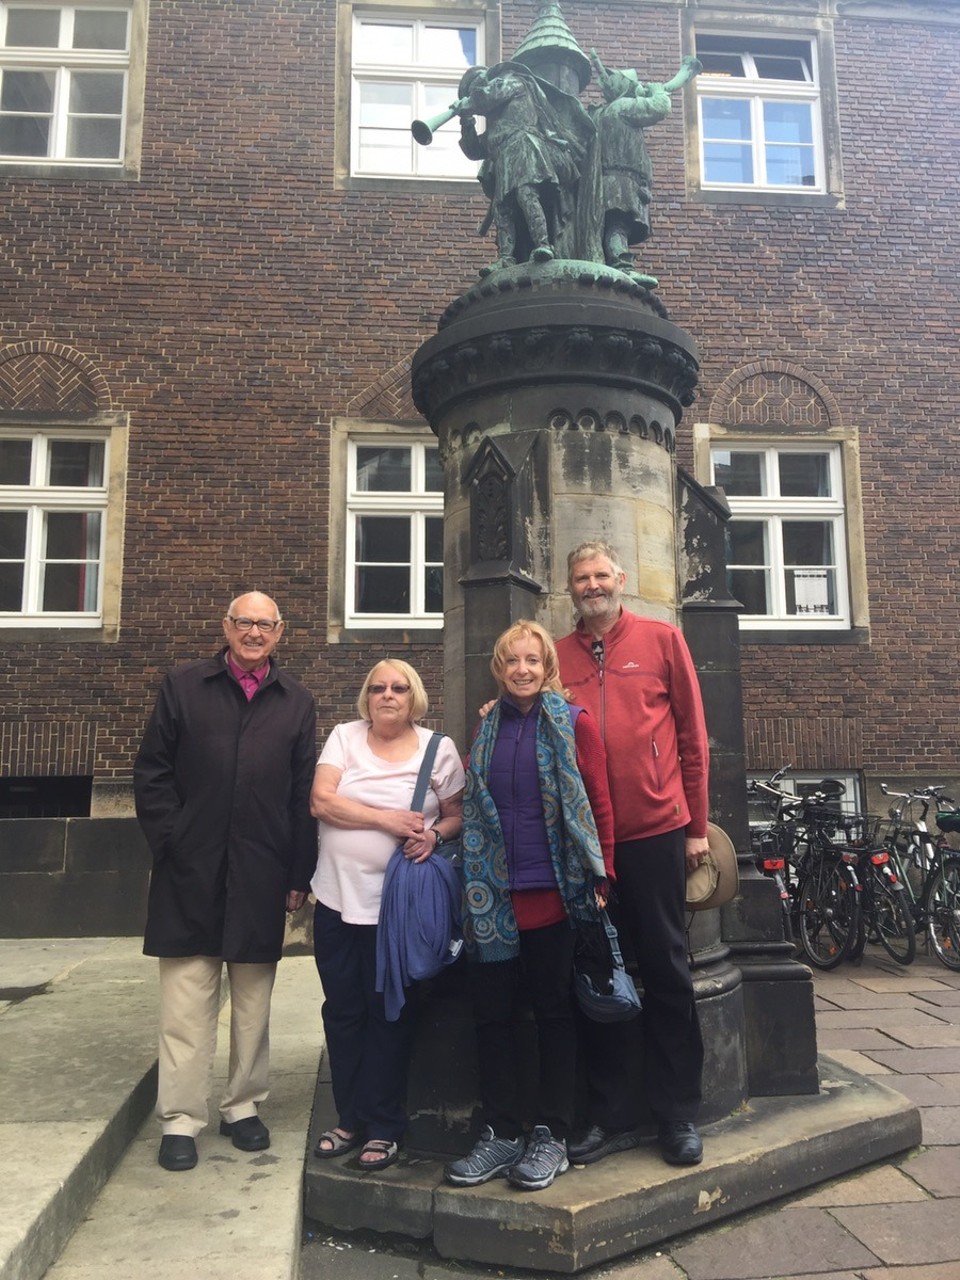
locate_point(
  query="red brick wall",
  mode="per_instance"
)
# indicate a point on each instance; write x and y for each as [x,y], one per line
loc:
[235,303]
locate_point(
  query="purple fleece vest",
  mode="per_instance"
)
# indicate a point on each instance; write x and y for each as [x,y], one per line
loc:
[514,785]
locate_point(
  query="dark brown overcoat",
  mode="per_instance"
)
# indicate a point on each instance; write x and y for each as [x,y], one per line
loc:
[222,790]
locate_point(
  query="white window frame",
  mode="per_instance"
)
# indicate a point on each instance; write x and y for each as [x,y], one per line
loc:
[64,61]
[38,500]
[758,91]
[417,75]
[772,509]
[850,801]
[417,504]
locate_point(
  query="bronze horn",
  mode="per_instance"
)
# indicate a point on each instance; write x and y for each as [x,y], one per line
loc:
[423,130]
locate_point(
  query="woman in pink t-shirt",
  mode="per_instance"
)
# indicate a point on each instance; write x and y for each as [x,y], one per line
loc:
[361,795]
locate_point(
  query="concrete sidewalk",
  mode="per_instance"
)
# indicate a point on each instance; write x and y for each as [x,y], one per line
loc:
[78,1053]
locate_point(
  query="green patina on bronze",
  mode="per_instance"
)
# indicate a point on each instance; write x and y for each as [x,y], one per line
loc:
[563,181]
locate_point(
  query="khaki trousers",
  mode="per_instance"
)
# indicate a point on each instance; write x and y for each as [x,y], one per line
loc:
[189,1010]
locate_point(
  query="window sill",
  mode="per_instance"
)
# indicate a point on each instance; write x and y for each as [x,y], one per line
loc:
[98,634]
[61,171]
[429,186]
[762,196]
[798,636]
[413,634]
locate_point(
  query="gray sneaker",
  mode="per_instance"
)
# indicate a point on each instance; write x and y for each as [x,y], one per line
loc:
[490,1158]
[544,1159]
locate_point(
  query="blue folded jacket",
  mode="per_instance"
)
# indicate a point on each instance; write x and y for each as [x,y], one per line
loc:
[419,930]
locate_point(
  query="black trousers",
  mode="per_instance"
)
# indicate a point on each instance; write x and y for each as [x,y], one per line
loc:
[651,916]
[369,1057]
[543,975]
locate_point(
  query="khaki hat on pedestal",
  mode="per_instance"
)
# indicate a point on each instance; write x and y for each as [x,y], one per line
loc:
[717,879]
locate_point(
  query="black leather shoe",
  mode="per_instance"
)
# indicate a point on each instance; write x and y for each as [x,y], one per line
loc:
[248,1134]
[679,1142]
[598,1142]
[177,1152]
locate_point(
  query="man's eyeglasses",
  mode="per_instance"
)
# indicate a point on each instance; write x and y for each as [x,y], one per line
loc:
[266,625]
[394,688]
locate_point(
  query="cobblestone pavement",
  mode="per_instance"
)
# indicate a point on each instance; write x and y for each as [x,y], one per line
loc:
[899,1220]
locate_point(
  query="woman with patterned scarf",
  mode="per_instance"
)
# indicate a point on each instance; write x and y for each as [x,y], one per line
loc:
[537,846]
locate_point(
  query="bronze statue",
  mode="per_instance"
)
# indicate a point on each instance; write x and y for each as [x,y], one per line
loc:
[562,182]
[531,158]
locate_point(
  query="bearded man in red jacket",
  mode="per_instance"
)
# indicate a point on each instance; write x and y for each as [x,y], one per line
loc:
[636,678]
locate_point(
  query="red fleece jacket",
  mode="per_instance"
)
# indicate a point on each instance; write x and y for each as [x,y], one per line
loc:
[646,700]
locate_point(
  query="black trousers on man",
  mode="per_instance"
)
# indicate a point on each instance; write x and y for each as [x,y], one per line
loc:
[651,915]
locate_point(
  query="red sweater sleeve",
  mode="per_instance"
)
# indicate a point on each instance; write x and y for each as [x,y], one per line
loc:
[592,762]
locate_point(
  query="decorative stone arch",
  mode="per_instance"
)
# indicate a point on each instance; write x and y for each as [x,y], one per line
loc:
[47,377]
[775,394]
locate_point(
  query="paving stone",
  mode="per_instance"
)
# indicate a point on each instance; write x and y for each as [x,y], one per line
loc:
[950,1082]
[936,1169]
[889,1021]
[941,1126]
[771,1245]
[945,998]
[860,1063]
[936,1271]
[856,1038]
[918,1062]
[905,1233]
[901,980]
[882,1185]
[944,1036]
[929,1091]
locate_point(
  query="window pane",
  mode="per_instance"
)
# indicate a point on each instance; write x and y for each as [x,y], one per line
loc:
[100,29]
[448,46]
[11,588]
[781,68]
[740,474]
[15,461]
[27,91]
[807,542]
[811,591]
[433,589]
[69,588]
[22,136]
[726,119]
[804,475]
[789,122]
[33,28]
[791,167]
[434,471]
[96,92]
[76,463]
[721,64]
[749,586]
[383,539]
[13,535]
[93,139]
[727,164]
[433,534]
[383,590]
[383,470]
[746,542]
[385,106]
[384,43]
[72,535]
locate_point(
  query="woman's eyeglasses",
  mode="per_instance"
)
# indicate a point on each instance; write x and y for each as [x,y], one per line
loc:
[382,688]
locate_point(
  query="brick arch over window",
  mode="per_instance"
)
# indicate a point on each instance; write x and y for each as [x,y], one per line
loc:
[770,393]
[389,399]
[48,377]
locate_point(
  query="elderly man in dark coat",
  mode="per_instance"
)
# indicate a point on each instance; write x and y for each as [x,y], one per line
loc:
[222,783]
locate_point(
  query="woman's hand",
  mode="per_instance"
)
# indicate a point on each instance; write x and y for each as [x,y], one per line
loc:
[419,848]
[402,824]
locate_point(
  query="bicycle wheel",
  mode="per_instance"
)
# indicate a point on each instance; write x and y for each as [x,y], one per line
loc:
[828,913]
[893,921]
[942,907]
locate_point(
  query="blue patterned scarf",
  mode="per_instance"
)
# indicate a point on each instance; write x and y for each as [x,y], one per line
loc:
[490,927]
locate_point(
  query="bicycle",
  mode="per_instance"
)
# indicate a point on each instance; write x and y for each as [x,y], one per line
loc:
[928,867]
[886,916]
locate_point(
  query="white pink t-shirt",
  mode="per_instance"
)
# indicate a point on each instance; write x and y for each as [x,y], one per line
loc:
[351,864]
